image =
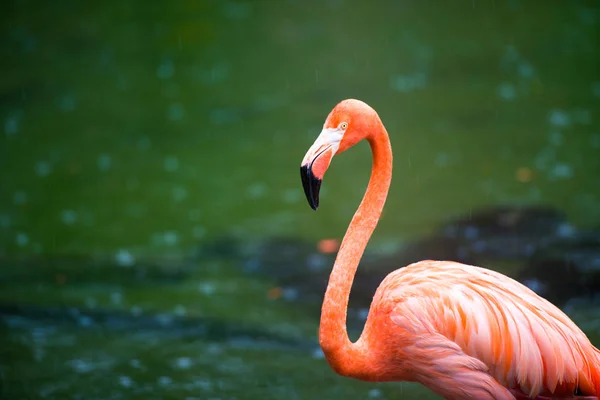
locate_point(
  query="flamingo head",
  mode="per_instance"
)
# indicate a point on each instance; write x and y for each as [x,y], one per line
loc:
[347,124]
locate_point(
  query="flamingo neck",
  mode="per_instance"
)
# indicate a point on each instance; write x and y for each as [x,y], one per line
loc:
[340,352]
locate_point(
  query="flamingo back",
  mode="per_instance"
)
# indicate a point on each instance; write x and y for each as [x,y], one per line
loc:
[526,342]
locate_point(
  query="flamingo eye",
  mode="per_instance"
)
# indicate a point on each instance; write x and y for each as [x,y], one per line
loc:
[343,126]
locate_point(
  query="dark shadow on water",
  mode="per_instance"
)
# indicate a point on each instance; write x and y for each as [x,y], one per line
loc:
[566,269]
[122,269]
[536,245]
[158,325]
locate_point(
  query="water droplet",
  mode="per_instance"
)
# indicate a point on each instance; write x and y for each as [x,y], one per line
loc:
[164,319]
[289,294]
[43,169]
[67,103]
[318,353]
[11,125]
[171,238]
[126,381]
[199,232]
[479,246]
[511,55]
[535,285]
[179,310]
[207,288]
[526,70]
[20,198]
[84,320]
[316,262]
[116,298]
[214,349]
[166,69]
[545,157]
[161,238]
[22,239]
[257,190]
[104,162]
[179,193]
[251,265]
[374,393]
[559,118]
[565,230]
[223,116]
[68,217]
[408,83]
[561,171]
[165,381]
[442,159]
[214,75]
[82,366]
[176,112]
[171,164]
[183,363]
[506,91]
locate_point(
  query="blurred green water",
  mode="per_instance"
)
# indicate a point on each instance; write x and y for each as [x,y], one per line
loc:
[139,130]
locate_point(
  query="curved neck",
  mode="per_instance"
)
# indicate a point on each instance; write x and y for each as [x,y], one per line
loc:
[333,335]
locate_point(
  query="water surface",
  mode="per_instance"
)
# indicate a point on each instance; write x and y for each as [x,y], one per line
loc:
[138,131]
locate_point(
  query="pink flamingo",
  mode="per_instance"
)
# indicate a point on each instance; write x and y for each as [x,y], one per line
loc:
[464,332]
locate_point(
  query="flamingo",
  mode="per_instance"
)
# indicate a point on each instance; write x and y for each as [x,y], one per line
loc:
[463,331]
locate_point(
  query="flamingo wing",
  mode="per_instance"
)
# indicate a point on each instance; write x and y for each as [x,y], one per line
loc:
[526,342]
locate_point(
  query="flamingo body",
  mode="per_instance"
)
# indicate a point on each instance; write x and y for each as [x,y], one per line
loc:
[468,332]
[463,331]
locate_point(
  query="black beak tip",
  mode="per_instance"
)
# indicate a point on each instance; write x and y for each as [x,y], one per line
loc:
[311,185]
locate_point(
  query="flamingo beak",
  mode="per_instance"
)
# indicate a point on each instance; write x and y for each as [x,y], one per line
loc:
[311,185]
[316,161]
